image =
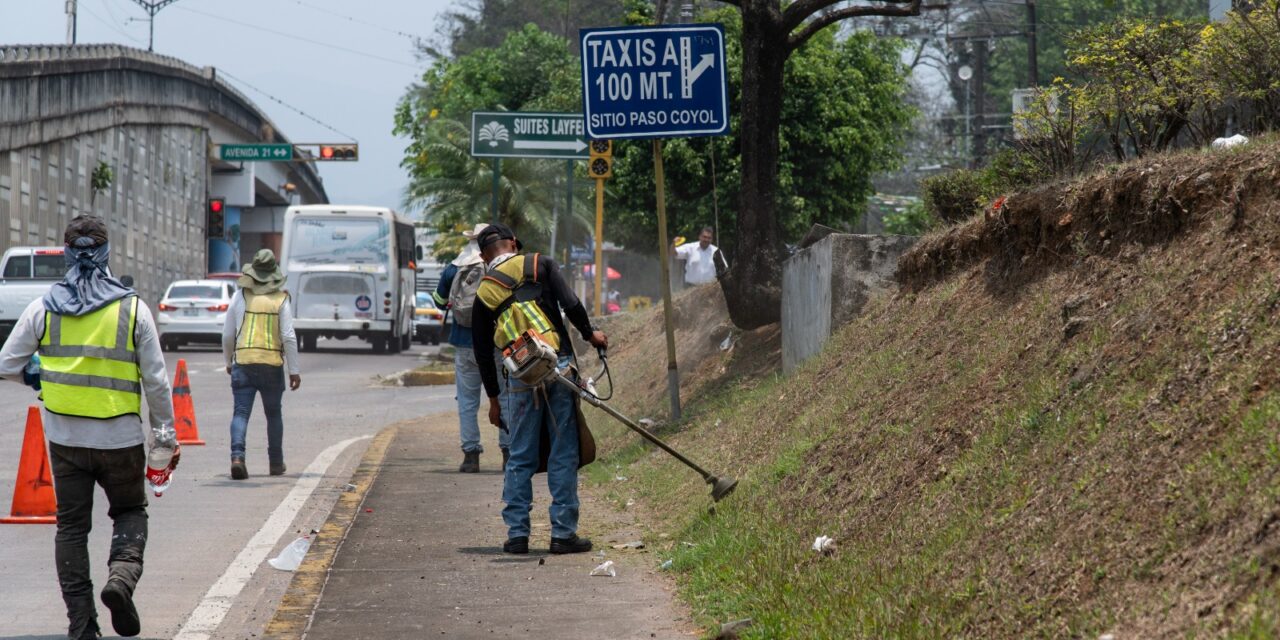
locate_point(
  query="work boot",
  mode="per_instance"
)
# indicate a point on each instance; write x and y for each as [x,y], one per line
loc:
[277,468]
[118,597]
[470,462]
[238,471]
[518,544]
[570,545]
[506,455]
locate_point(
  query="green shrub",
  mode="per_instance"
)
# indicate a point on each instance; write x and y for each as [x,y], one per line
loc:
[913,220]
[956,196]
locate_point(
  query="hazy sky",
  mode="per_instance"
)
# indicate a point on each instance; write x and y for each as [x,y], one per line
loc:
[341,61]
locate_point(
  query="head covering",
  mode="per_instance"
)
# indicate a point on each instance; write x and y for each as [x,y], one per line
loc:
[263,275]
[471,252]
[88,285]
[495,232]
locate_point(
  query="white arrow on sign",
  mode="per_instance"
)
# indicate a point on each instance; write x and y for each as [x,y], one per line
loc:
[557,145]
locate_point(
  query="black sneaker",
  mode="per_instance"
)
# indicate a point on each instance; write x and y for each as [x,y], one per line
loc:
[518,544]
[118,597]
[470,462]
[277,468]
[238,472]
[570,545]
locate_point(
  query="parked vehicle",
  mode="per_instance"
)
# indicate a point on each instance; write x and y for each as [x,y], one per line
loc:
[351,273]
[193,312]
[26,273]
[428,322]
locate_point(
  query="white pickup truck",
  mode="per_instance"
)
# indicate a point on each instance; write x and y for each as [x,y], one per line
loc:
[26,273]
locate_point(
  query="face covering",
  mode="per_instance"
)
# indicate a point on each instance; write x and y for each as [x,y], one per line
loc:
[88,286]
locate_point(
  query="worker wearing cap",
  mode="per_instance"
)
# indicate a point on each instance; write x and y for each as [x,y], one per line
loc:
[498,314]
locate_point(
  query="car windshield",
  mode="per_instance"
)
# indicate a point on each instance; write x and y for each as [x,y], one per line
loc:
[336,240]
[195,291]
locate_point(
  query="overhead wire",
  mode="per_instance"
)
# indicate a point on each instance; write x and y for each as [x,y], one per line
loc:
[414,37]
[311,41]
[286,105]
[109,24]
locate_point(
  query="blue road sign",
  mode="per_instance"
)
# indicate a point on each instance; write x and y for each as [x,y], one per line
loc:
[654,82]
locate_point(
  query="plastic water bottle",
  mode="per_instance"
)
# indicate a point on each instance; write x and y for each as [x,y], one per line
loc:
[291,557]
[159,475]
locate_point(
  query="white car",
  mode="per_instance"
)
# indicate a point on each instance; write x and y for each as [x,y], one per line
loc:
[193,311]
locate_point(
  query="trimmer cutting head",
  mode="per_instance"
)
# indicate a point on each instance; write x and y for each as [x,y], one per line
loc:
[721,487]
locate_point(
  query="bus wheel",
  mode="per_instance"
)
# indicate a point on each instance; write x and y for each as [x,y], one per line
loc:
[393,343]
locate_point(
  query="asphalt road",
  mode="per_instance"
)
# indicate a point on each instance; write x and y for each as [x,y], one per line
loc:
[207,529]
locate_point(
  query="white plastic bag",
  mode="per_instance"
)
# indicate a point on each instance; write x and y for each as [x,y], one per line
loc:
[292,555]
[1227,143]
[823,544]
[606,569]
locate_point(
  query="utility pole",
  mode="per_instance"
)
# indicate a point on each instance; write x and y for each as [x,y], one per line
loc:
[1033,70]
[152,8]
[71,21]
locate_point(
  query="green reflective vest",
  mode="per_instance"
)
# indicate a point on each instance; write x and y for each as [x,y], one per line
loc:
[511,291]
[259,338]
[89,365]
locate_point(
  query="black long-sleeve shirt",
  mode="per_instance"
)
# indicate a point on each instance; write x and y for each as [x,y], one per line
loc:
[556,295]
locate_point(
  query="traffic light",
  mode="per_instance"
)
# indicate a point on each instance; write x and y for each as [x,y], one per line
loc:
[215,220]
[600,163]
[339,152]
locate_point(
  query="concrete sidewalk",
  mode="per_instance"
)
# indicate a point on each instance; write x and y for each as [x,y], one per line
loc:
[422,558]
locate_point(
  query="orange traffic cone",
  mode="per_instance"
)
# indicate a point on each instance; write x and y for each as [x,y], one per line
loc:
[33,499]
[184,412]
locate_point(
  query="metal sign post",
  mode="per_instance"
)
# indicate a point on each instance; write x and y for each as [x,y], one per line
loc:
[597,269]
[656,82]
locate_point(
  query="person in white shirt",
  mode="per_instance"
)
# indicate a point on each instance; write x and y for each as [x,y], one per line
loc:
[703,261]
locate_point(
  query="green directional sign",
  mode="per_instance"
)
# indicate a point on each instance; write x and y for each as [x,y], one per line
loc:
[256,152]
[518,134]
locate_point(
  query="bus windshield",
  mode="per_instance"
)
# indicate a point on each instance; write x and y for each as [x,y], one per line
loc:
[340,240]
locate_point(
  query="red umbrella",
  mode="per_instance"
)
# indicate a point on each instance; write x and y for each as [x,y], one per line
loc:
[589,271]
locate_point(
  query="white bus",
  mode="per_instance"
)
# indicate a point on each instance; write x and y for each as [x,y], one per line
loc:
[351,274]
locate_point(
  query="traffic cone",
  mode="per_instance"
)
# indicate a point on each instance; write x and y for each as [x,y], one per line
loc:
[33,499]
[184,412]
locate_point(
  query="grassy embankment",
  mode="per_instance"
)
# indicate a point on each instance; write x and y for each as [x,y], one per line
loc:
[1066,423]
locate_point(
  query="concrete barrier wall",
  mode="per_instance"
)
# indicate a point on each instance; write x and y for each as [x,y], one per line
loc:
[828,283]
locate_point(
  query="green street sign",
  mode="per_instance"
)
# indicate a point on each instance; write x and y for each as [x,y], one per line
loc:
[518,134]
[256,152]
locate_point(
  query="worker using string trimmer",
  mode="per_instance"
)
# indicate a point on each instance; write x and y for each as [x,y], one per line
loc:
[518,311]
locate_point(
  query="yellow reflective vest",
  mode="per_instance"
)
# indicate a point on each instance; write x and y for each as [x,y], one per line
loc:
[259,338]
[89,365]
[511,291]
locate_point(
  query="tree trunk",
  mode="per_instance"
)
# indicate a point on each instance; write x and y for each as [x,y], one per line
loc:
[752,287]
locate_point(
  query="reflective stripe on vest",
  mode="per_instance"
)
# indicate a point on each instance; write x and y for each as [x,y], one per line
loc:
[89,364]
[518,316]
[259,339]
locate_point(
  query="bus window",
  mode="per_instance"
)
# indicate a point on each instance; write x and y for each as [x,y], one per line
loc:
[332,240]
[406,242]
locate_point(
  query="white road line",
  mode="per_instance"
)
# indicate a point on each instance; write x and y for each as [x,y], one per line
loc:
[206,617]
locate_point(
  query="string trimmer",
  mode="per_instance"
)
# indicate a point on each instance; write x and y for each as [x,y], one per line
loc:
[534,362]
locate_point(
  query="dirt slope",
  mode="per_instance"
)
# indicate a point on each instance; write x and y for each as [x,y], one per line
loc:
[1066,424]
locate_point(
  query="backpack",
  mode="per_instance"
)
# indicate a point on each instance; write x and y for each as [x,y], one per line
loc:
[462,293]
[511,290]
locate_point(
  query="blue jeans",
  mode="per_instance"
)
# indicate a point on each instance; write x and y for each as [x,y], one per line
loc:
[247,381]
[470,390]
[527,408]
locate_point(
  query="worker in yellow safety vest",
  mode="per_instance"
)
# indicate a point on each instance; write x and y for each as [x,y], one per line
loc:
[99,355]
[258,342]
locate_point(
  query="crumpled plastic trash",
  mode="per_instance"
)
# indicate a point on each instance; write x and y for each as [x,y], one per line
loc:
[1227,143]
[666,565]
[292,555]
[727,343]
[647,423]
[605,569]
[634,544]
[824,544]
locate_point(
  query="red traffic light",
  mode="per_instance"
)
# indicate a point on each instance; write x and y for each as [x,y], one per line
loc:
[339,152]
[215,205]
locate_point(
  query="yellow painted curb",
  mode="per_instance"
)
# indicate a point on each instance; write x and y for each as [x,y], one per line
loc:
[427,378]
[294,613]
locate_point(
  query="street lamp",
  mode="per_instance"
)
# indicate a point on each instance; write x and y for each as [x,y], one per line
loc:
[965,73]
